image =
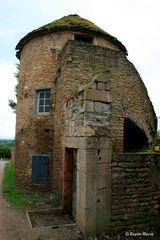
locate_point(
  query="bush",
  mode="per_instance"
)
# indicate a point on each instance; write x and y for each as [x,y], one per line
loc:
[5,151]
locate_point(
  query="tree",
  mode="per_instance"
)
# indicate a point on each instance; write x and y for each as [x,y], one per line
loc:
[11,102]
[5,150]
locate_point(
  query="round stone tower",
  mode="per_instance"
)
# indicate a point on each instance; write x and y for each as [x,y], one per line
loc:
[55,61]
[38,52]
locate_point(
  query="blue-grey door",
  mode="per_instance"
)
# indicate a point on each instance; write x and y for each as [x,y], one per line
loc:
[40,169]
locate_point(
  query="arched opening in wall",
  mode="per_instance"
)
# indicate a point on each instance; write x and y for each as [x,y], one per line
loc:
[134,138]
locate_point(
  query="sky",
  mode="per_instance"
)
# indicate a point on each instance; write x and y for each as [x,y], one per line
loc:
[136,23]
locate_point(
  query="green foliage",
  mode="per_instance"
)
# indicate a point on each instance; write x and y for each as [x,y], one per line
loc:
[13,104]
[71,22]
[54,199]
[158,134]
[5,150]
[18,197]
[156,141]
[8,178]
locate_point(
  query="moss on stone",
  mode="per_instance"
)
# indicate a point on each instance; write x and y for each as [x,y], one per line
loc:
[71,22]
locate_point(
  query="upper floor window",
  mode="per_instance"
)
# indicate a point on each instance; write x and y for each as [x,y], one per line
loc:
[43,101]
[83,38]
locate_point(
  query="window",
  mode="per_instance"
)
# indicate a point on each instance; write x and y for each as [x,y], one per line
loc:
[40,169]
[43,101]
[84,38]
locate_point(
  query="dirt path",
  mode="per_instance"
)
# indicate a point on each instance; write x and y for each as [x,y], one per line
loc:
[14,224]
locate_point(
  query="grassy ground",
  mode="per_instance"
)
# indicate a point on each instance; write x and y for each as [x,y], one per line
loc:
[21,199]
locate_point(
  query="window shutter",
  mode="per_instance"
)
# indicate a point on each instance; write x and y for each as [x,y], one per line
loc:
[40,169]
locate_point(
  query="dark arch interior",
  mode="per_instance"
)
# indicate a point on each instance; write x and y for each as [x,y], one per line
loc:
[134,138]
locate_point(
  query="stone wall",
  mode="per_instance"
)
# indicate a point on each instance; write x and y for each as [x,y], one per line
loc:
[101,88]
[65,70]
[35,133]
[136,193]
[89,112]
[85,72]
[80,64]
[87,126]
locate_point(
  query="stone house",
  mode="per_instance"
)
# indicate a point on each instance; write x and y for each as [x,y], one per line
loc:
[80,100]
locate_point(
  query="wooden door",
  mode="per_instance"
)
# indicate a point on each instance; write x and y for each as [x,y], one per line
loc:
[74,182]
[70,182]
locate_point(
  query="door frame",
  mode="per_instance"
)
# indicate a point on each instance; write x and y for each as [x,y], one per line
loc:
[67,180]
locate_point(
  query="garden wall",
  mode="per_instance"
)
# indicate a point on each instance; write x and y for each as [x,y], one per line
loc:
[136,193]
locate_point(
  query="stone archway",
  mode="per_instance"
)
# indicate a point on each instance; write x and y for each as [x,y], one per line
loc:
[135,138]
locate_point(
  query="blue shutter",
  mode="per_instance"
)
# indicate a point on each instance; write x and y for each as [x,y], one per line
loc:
[40,169]
[44,169]
[35,169]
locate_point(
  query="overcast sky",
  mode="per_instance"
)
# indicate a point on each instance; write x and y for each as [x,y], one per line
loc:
[136,23]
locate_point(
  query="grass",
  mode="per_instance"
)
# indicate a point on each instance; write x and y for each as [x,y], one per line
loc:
[71,22]
[20,198]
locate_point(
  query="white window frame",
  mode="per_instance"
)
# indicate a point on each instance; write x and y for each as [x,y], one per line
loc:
[41,102]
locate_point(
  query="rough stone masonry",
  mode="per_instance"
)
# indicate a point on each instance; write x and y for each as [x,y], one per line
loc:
[79,102]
